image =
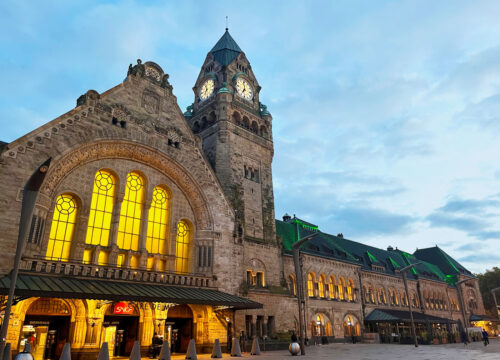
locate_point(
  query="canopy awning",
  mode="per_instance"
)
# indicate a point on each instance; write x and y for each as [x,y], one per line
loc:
[29,285]
[384,315]
[483,318]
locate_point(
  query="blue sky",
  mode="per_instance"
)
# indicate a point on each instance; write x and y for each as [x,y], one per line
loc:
[386,113]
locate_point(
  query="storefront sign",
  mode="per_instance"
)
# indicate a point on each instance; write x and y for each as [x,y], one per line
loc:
[38,322]
[110,323]
[123,308]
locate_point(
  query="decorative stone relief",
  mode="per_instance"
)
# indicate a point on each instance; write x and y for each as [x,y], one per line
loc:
[153,73]
[150,102]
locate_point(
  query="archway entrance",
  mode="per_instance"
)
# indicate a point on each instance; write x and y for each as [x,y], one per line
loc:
[179,327]
[321,326]
[351,326]
[46,327]
[120,328]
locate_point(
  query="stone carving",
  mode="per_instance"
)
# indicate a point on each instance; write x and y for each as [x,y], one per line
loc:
[120,112]
[150,102]
[135,152]
[138,69]
[153,73]
[165,84]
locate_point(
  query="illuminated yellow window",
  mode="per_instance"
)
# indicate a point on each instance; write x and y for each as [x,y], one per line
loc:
[341,288]
[87,256]
[129,226]
[151,262]
[162,265]
[62,229]
[182,247]
[321,286]
[120,260]
[134,262]
[293,285]
[103,258]
[101,209]
[350,287]
[331,288]
[157,222]
[310,285]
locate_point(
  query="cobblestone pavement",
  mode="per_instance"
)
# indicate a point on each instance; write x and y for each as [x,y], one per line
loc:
[474,351]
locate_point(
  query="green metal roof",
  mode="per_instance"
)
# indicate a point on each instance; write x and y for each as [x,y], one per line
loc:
[340,248]
[29,285]
[435,255]
[226,50]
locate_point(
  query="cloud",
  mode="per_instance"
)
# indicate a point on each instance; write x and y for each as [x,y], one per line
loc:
[469,206]
[438,219]
[480,258]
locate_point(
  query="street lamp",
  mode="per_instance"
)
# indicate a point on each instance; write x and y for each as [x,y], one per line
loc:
[461,299]
[495,299]
[403,272]
[30,193]
[300,283]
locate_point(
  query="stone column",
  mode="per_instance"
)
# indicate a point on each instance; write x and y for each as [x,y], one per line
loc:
[80,329]
[143,233]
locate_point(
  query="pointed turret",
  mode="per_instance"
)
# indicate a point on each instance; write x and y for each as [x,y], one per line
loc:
[226,49]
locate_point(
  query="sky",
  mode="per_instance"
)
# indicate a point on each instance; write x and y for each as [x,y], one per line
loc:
[386,114]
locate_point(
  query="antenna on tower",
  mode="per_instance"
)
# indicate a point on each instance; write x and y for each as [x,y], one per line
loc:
[227,22]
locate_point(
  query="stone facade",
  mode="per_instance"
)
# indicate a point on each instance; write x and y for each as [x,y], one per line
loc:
[215,160]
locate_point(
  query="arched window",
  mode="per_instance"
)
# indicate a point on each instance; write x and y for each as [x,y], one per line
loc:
[131,213]
[101,209]
[157,222]
[62,228]
[341,288]
[350,290]
[182,247]
[321,286]
[372,294]
[351,326]
[293,285]
[331,288]
[311,278]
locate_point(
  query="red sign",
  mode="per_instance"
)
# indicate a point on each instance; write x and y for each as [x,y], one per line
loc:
[123,308]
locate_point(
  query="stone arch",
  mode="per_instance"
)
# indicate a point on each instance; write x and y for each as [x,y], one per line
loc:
[134,152]
[211,117]
[196,127]
[236,118]
[246,122]
[321,325]
[254,127]
[263,131]
[351,325]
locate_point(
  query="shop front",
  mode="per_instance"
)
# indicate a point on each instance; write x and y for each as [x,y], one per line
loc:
[51,311]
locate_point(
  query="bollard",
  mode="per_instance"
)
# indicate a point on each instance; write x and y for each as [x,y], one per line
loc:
[7,355]
[165,351]
[136,351]
[104,352]
[235,348]
[66,353]
[216,352]
[255,347]
[191,353]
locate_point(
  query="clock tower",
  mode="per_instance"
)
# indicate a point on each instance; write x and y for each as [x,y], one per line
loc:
[236,133]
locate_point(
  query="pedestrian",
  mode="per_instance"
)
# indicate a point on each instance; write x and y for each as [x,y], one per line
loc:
[156,343]
[485,337]
[463,336]
[294,337]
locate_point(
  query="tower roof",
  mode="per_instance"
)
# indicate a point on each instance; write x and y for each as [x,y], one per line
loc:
[226,49]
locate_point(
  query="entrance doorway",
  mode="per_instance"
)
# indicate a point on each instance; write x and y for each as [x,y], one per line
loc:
[120,328]
[179,326]
[46,327]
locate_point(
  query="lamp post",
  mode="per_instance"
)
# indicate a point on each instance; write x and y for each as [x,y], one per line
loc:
[495,299]
[461,299]
[403,272]
[300,283]
[30,193]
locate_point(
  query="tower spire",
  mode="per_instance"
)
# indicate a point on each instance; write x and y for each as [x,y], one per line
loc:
[227,24]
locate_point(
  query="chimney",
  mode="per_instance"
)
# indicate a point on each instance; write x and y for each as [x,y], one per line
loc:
[340,235]
[390,248]
[286,217]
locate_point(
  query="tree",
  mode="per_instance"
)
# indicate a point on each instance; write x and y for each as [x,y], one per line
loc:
[488,281]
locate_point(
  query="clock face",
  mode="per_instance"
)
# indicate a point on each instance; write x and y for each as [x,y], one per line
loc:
[244,89]
[207,89]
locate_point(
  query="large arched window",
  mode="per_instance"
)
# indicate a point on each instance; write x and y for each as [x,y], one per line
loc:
[311,278]
[332,286]
[101,209]
[341,288]
[62,228]
[293,286]
[182,247]
[350,290]
[157,222]
[131,213]
[321,286]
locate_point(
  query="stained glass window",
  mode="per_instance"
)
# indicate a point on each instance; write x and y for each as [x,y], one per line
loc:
[182,247]
[101,209]
[62,228]
[131,213]
[157,222]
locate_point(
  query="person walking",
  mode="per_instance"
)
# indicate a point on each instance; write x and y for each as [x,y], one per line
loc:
[463,336]
[485,337]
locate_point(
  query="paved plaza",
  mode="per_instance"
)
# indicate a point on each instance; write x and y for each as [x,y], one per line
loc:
[474,351]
